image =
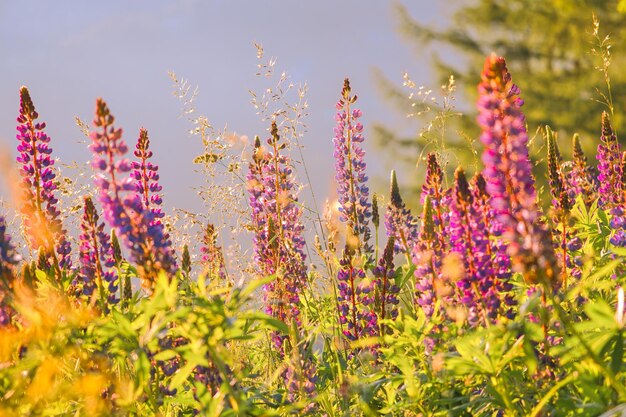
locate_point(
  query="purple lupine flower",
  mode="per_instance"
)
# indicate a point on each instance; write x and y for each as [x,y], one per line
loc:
[355,298]
[350,174]
[123,207]
[146,176]
[508,172]
[497,249]
[9,258]
[618,211]
[279,241]
[42,218]
[386,290]
[96,259]
[427,258]
[301,377]
[481,289]
[439,198]
[609,167]
[399,222]
[212,255]
[560,198]
[563,236]
[279,249]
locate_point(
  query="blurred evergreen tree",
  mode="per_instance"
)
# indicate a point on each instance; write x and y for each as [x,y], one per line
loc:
[553,55]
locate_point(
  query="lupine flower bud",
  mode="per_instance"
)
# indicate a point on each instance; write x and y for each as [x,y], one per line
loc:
[399,222]
[439,199]
[386,290]
[185,263]
[560,198]
[375,213]
[212,255]
[582,178]
[561,206]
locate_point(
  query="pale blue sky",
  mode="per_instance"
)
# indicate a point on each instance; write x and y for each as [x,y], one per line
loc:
[70,52]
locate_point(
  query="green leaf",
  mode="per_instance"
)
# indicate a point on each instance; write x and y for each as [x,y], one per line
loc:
[165,355]
[618,354]
[181,375]
[268,320]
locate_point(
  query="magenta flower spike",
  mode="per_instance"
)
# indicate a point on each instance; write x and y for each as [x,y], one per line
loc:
[561,201]
[427,258]
[41,216]
[609,167]
[278,241]
[146,176]
[399,222]
[508,173]
[123,208]
[96,258]
[501,261]
[618,211]
[355,298]
[482,290]
[352,189]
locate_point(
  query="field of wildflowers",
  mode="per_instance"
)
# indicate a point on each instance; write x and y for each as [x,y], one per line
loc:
[481,304]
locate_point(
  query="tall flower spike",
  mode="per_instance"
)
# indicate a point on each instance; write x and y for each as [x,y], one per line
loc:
[355,298]
[581,179]
[609,166]
[212,255]
[279,241]
[123,207]
[439,199]
[96,259]
[42,218]
[350,174]
[8,262]
[508,172]
[386,290]
[560,198]
[565,242]
[427,258]
[399,222]
[469,237]
[146,175]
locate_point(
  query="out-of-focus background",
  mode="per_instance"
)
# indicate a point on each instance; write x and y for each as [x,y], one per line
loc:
[70,52]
